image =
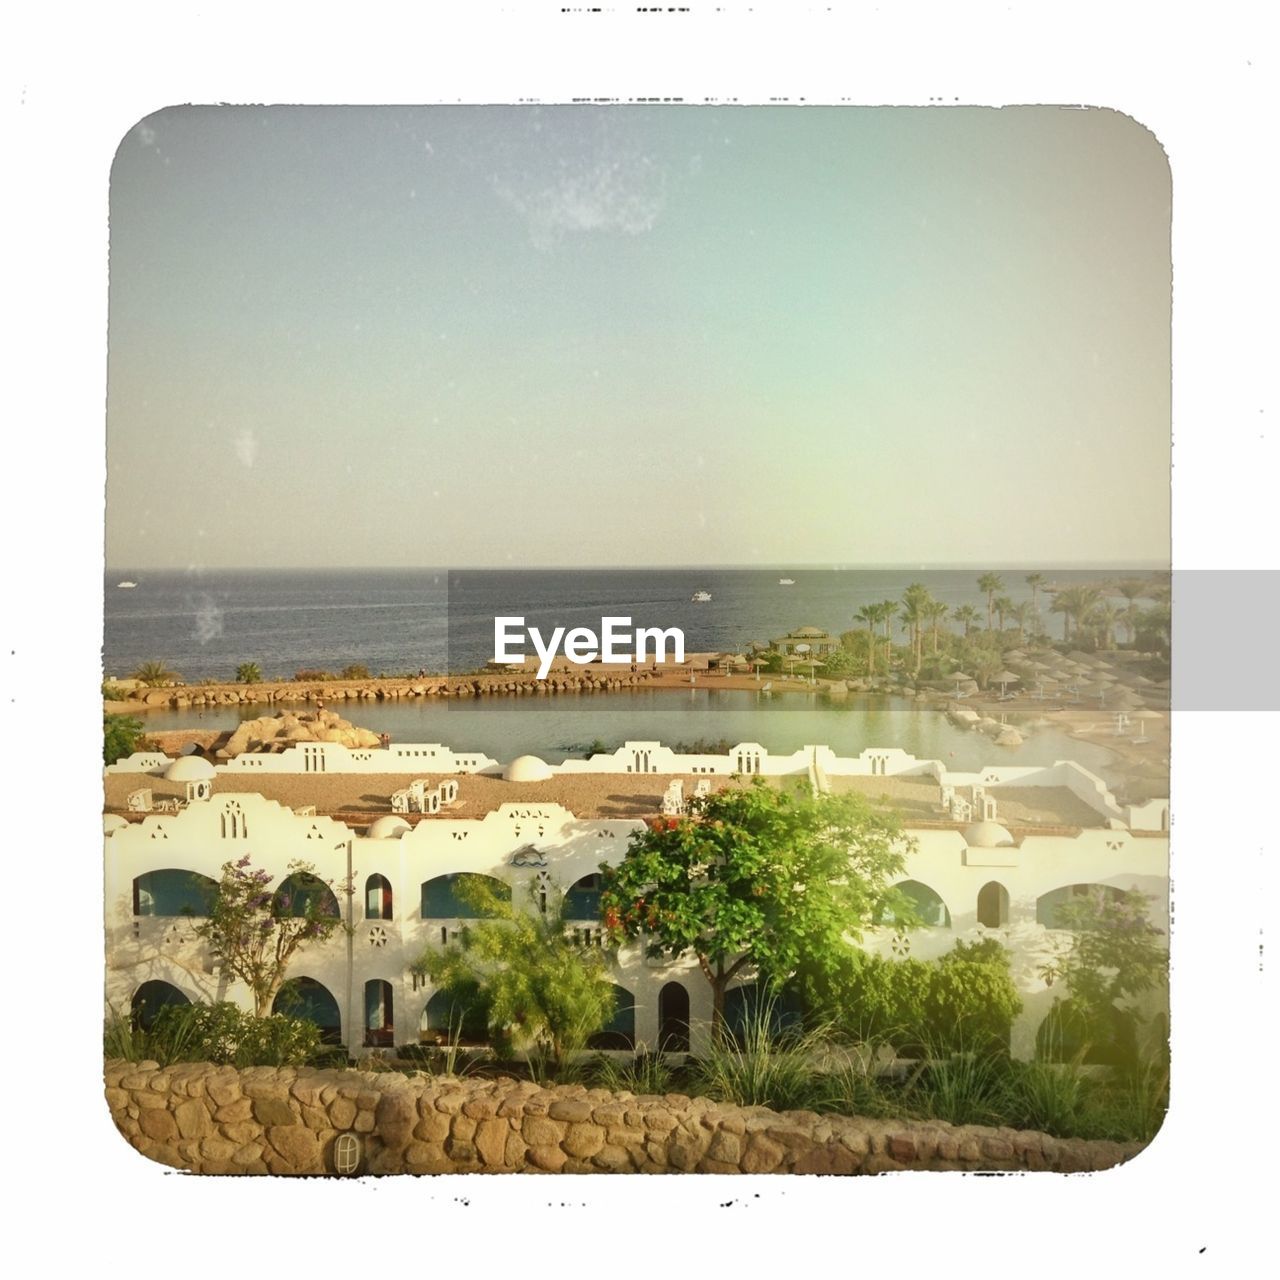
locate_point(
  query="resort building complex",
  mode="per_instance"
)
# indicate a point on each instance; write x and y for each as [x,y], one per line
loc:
[995,853]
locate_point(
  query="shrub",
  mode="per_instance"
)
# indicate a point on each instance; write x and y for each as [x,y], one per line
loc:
[121,736]
[220,1033]
[309,673]
[113,693]
[154,673]
[355,671]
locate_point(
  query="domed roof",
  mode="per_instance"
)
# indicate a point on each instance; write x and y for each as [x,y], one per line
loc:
[190,769]
[112,822]
[808,631]
[388,827]
[987,835]
[527,769]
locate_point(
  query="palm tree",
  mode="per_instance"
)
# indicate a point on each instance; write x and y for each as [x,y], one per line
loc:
[248,673]
[966,615]
[1002,606]
[870,614]
[1023,614]
[1075,604]
[990,583]
[915,603]
[935,611]
[1106,615]
[888,611]
[1035,581]
[154,673]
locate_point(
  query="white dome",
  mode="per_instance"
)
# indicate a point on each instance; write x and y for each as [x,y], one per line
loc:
[987,835]
[112,822]
[388,827]
[190,769]
[527,769]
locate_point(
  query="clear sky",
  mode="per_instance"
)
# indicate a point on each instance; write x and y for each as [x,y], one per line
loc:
[619,336]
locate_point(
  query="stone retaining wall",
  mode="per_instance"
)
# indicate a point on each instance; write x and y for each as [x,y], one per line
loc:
[284,1120]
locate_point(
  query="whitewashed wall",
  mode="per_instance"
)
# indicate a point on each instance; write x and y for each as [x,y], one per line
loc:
[207,834]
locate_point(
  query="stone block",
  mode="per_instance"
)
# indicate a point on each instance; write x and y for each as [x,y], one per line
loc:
[193,1119]
[273,1111]
[574,1110]
[158,1125]
[433,1127]
[550,1158]
[762,1155]
[342,1113]
[583,1140]
[297,1146]
[491,1141]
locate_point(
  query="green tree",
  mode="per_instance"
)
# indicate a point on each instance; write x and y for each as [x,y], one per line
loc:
[1024,615]
[154,673]
[1115,954]
[967,616]
[1003,607]
[539,985]
[990,583]
[254,932]
[1075,604]
[870,615]
[1035,581]
[248,673]
[755,878]
[120,737]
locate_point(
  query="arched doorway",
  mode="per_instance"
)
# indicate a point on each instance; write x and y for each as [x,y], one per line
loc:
[379,1022]
[620,1031]
[993,905]
[312,1001]
[151,998]
[673,1018]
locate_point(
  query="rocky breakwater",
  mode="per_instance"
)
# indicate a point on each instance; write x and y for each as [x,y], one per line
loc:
[382,689]
[274,733]
[284,1120]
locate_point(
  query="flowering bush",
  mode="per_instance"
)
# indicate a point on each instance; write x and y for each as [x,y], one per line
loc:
[255,932]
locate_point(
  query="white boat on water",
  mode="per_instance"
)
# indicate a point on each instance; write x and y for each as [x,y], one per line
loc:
[786,582]
[700,597]
[125,586]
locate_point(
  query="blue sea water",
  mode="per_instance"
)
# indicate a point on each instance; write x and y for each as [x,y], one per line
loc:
[203,624]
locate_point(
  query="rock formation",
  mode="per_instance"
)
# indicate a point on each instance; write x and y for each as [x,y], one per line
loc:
[275,733]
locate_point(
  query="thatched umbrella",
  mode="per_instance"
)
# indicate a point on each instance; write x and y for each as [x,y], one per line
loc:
[1005,678]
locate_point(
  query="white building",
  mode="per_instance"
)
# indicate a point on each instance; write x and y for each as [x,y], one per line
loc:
[970,880]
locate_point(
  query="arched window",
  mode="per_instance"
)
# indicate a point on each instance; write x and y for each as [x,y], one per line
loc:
[442,900]
[582,902]
[1049,905]
[311,1000]
[673,1018]
[459,1016]
[620,1031]
[173,893]
[299,891]
[379,1023]
[150,998]
[377,898]
[929,907]
[993,905]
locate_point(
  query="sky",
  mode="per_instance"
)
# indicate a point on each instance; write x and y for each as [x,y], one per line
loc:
[580,335]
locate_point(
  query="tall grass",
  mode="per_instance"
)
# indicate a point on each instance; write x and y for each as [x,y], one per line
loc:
[960,1088]
[645,1073]
[762,1066]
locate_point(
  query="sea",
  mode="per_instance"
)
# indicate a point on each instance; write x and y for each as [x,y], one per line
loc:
[203,624]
